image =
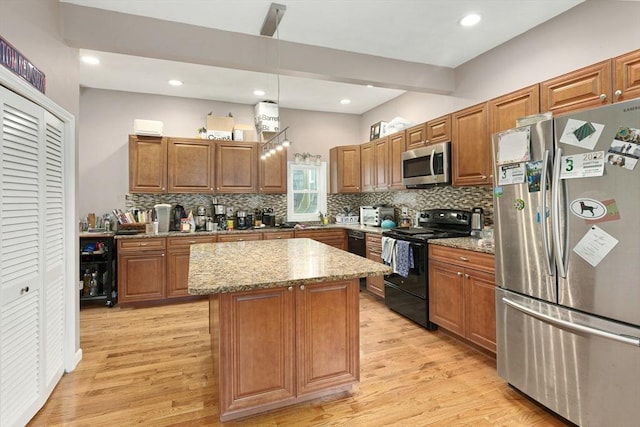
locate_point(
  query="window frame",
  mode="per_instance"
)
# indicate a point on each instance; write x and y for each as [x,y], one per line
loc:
[322,191]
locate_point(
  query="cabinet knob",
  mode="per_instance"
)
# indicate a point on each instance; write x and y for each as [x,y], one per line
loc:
[240,240]
[466,276]
[217,188]
[211,188]
[162,254]
[143,244]
[290,288]
[302,287]
[603,97]
[464,258]
[484,177]
[459,273]
[24,290]
[162,188]
[191,242]
[617,93]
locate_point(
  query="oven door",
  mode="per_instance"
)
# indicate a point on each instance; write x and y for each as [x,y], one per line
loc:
[416,283]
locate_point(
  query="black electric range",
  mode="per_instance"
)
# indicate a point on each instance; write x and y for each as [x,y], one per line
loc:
[409,295]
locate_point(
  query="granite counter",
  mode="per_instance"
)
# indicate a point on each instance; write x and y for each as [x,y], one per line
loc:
[467,243]
[239,266]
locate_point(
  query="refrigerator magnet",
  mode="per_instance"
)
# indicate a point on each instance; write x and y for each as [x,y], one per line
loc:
[581,133]
[518,204]
[497,191]
[595,245]
[511,174]
[583,165]
[588,208]
[612,213]
[625,148]
[534,175]
[513,146]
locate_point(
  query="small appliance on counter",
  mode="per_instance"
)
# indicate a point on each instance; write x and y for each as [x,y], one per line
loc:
[242,221]
[178,214]
[200,218]
[477,221]
[163,214]
[374,215]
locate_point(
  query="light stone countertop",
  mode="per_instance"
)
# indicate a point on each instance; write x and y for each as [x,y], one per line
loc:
[467,243]
[241,266]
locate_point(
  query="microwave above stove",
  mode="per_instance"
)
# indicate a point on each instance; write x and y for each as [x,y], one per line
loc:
[374,215]
[427,166]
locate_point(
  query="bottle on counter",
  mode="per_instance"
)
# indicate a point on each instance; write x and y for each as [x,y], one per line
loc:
[86,283]
[93,285]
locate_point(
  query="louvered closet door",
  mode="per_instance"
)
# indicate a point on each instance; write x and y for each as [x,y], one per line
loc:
[21,161]
[53,255]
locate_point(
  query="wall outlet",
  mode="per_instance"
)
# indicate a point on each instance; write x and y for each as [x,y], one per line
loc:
[405,210]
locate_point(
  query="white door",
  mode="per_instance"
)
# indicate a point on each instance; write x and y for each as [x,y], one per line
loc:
[31,261]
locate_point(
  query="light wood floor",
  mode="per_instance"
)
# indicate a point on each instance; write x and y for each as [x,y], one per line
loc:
[152,367]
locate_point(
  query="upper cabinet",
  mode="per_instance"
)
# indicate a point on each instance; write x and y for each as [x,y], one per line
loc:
[147,164]
[471,146]
[344,166]
[273,173]
[397,145]
[505,110]
[587,87]
[416,136]
[626,77]
[367,177]
[439,130]
[236,167]
[190,165]
[381,162]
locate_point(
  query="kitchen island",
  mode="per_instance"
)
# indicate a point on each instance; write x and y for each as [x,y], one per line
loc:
[284,320]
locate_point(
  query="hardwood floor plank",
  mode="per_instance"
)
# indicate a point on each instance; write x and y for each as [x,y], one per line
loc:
[153,367]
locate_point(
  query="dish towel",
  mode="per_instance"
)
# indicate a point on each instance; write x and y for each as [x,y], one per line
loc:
[403,258]
[388,246]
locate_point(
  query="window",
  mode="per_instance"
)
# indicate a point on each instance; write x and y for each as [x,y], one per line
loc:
[306,192]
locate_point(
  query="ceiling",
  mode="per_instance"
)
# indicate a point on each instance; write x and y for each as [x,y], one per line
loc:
[400,33]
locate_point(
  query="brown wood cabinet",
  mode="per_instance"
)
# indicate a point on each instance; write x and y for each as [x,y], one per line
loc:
[471,146]
[375,285]
[239,237]
[439,130]
[462,294]
[190,165]
[367,175]
[626,77]
[141,270]
[587,87]
[344,165]
[147,164]
[178,249]
[236,167]
[278,235]
[381,164]
[273,173]
[416,136]
[506,109]
[397,145]
[332,237]
[296,342]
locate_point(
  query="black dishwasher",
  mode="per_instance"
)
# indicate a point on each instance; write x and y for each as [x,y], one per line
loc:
[356,244]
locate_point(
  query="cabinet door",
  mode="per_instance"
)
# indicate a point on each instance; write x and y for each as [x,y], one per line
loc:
[141,276]
[239,237]
[344,164]
[439,130]
[480,308]
[236,167]
[335,238]
[273,173]
[397,147]
[382,162]
[446,296]
[471,147]
[328,341]
[416,136]
[505,110]
[626,77]
[375,285]
[178,263]
[366,167]
[257,356]
[190,165]
[147,164]
[587,87]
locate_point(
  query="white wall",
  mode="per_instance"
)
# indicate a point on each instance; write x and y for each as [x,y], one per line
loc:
[591,32]
[107,120]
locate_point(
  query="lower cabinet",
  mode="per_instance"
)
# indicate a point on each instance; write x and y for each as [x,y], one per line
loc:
[462,294]
[332,237]
[278,235]
[239,237]
[178,263]
[282,345]
[375,285]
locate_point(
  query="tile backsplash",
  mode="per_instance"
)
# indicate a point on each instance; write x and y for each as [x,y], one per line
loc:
[414,200]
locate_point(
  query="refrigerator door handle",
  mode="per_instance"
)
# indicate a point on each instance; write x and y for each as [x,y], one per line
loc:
[561,257]
[572,326]
[543,214]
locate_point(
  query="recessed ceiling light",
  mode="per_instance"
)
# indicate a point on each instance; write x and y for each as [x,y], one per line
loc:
[369,85]
[470,20]
[345,101]
[175,82]
[92,60]
[258,92]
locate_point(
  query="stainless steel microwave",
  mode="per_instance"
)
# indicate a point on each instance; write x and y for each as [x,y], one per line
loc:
[427,166]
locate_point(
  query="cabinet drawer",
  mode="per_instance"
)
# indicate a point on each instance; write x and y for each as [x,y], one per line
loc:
[186,241]
[134,245]
[278,235]
[374,242]
[240,237]
[321,235]
[462,257]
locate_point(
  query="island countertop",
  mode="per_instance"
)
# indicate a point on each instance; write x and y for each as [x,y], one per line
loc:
[241,266]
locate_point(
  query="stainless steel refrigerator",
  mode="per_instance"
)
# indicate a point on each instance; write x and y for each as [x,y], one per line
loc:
[567,230]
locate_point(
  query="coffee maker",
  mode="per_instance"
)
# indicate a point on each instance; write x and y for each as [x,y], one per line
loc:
[178,214]
[219,216]
[200,218]
[242,220]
